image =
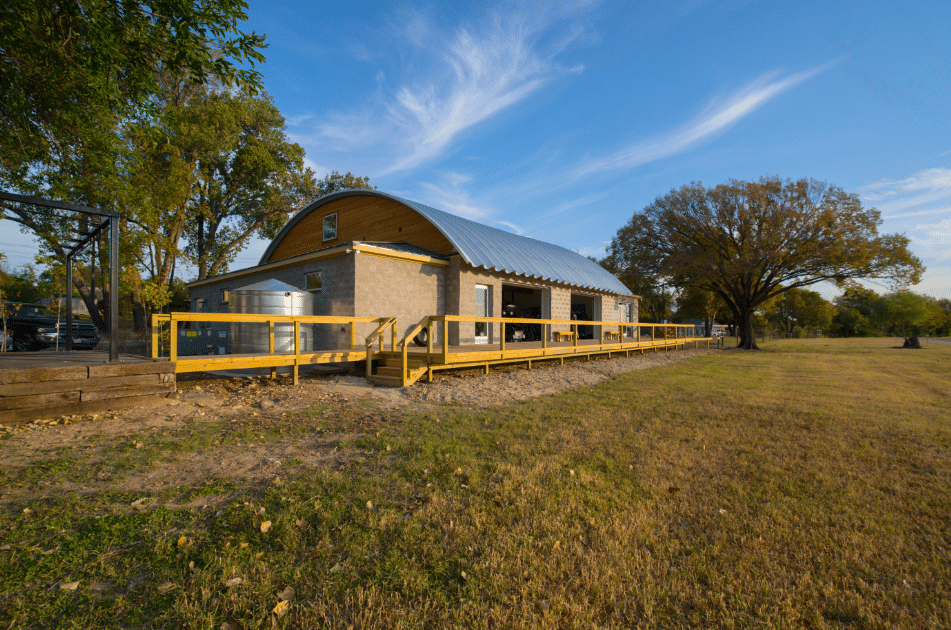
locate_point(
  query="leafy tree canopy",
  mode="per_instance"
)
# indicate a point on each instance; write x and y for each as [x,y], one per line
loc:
[750,241]
[71,70]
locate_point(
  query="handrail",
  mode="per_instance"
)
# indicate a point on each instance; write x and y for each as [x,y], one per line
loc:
[424,323]
[172,319]
[385,323]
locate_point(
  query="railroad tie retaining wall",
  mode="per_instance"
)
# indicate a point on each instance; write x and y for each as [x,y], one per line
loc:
[47,392]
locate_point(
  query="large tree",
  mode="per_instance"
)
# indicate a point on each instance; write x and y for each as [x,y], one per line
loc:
[750,241]
[71,70]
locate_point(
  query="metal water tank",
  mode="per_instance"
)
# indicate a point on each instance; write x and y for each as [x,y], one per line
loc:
[270,297]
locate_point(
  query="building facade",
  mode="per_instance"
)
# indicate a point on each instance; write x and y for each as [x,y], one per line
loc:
[364,253]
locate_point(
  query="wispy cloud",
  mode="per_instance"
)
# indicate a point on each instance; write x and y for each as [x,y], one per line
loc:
[450,196]
[929,186]
[474,73]
[717,117]
[923,194]
[515,228]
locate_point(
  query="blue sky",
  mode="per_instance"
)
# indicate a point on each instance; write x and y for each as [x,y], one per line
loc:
[560,122]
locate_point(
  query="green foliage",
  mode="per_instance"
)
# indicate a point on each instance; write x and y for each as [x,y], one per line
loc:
[801,308]
[909,313]
[23,285]
[335,181]
[244,177]
[70,71]
[750,241]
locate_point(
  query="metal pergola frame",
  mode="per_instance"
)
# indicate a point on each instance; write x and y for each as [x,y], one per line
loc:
[110,222]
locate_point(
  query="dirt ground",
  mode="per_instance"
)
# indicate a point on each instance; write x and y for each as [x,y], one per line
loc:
[251,427]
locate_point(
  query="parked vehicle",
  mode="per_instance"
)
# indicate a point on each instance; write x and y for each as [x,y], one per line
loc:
[29,327]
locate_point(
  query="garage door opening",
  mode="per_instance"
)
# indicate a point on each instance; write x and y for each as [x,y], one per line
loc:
[523,303]
[583,309]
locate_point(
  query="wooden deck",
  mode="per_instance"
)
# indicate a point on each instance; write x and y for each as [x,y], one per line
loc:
[421,363]
[398,363]
[47,384]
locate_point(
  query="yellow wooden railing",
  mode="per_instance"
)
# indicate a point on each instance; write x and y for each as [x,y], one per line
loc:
[172,321]
[660,334]
[378,334]
[426,323]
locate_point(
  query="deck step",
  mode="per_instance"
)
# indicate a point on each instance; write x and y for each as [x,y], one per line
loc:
[386,370]
[398,363]
[386,381]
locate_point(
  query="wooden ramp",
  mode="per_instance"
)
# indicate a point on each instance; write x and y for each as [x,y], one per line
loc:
[404,364]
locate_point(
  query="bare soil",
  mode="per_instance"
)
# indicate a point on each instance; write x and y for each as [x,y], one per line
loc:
[249,429]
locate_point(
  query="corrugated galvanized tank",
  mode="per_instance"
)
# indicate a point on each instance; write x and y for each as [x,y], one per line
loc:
[270,297]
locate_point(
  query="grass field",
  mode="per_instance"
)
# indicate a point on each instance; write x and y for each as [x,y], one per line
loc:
[804,486]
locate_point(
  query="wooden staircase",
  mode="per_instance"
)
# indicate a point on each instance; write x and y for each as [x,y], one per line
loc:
[390,372]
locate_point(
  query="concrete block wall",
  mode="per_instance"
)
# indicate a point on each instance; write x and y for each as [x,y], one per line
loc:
[335,298]
[407,290]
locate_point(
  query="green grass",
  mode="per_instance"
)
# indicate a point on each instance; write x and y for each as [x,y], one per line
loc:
[808,485]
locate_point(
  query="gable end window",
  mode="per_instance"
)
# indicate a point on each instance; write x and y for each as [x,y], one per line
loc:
[330,227]
[315,281]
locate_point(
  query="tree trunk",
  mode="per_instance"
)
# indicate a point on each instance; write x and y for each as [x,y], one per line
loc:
[745,330]
[138,312]
[89,300]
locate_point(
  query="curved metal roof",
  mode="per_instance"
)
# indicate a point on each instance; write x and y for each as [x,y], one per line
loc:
[491,248]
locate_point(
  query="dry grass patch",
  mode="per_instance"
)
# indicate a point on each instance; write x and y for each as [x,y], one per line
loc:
[808,485]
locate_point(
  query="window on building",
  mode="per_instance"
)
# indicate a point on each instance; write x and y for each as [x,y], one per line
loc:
[225,294]
[330,227]
[315,281]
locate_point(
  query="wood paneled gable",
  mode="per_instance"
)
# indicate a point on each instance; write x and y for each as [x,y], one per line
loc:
[361,218]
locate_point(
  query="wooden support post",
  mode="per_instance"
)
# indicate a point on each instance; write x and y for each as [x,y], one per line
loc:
[429,375]
[486,368]
[445,341]
[296,350]
[353,336]
[153,332]
[544,338]
[393,338]
[173,339]
[561,360]
[502,338]
[574,336]
[270,344]
[429,339]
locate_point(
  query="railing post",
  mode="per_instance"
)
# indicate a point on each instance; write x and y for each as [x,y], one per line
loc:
[153,333]
[270,344]
[445,342]
[404,373]
[173,338]
[502,337]
[353,335]
[574,336]
[429,338]
[544,339]
[296,349]
[393,337]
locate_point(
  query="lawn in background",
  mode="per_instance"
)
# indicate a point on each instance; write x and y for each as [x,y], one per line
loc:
[805,485]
